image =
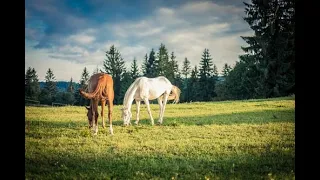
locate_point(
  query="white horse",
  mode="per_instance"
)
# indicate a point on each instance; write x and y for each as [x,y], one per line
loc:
[145,89]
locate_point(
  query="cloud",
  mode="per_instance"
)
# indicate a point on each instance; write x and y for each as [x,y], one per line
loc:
[187,29]
[82,39]
[62,69]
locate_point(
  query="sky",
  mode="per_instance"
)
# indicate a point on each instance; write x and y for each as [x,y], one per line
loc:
[69,35]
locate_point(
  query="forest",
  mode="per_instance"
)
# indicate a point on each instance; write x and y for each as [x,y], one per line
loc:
[265,70]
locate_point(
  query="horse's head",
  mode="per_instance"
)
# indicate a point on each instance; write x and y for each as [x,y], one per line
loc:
[89,115]
[126,116]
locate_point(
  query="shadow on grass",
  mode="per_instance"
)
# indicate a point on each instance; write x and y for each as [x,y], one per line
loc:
[111,165]
[256,117]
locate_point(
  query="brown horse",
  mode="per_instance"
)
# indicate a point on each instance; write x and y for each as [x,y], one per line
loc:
[175,95]
[100,89]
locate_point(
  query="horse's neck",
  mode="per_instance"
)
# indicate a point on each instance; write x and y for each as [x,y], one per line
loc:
[128,98]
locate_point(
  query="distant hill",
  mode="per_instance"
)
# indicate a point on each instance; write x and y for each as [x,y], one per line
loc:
[62,85]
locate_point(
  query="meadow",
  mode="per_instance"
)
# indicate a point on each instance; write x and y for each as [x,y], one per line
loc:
[245,139]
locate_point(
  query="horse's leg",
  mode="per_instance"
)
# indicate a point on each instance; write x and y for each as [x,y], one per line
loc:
[103,102]
[161,106]
[138,111]
[149,111]
[110,109]
[95,115]
[165,98]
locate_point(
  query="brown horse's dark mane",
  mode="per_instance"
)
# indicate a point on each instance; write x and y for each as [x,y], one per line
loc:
[98,92]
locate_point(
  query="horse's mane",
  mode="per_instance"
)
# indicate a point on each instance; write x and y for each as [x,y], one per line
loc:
[177,97]
[98,92]
[129,90]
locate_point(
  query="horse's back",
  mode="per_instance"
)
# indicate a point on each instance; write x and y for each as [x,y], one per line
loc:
[152,88]
[104,78]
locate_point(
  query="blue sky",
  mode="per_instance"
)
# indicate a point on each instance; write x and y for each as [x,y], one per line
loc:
[68,36]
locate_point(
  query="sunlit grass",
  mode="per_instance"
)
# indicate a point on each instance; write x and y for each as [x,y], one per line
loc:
[252,139]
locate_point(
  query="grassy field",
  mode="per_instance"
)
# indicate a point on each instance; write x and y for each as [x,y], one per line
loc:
[252,139]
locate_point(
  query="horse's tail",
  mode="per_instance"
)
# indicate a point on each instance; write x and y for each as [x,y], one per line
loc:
[97,91]
[176,91]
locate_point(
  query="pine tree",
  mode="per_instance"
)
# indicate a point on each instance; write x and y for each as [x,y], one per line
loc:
[79,100]
[186,70]
[150,65]
[50,84]
[271,50]
[32,86]
[125,83]
[206,77]
[194,85]
[134,69]
[49,92]
[84,78]
[226,69]
[114,65]
[70,87]
[162,60]
[172,68]
[215,71]
[144,65]
[237,83]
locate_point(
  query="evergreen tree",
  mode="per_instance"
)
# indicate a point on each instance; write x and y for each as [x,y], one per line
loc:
[65,98]
[45,97]
[49,92]
[144,65]
[206,77]
[32,86]
[114,65]
[70,87]
[194,85]
[134,69]
[69,96]
[150,65]
[125,83]
[215,71]
[226,69]
[237,83]
[162,60]
[271,50]
[84,78]
[51,84]
[79,100]
[186,70]
[172,68]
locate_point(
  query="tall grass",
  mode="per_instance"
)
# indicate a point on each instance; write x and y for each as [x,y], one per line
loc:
[251,139]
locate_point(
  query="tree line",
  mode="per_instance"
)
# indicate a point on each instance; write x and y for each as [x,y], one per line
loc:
[267,68]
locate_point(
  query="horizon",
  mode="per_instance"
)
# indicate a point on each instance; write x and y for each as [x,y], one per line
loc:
[68,36]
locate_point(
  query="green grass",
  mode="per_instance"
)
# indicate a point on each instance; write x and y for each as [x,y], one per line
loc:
[251,139]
